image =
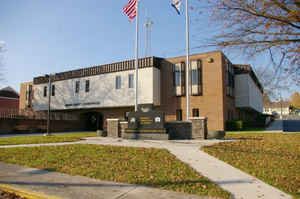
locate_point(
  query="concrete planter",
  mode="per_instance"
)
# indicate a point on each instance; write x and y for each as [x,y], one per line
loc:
[216,134]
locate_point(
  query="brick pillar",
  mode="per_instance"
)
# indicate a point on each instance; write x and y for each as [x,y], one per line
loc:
[113,128]
[199,127]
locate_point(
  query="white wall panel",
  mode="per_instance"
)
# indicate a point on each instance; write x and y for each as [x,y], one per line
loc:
[103,92]
[247,94]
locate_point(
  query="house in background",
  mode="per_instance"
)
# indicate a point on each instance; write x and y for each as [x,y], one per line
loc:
[219,90]
[279,108]
[9,99]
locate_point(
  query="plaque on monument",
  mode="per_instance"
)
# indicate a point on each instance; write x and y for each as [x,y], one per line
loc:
[146,120]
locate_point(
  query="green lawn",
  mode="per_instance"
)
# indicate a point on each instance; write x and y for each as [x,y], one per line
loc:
[68,137]
[153,167]
[271,157]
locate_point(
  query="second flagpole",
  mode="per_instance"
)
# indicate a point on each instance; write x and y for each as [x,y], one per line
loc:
[187,83]
[137,55]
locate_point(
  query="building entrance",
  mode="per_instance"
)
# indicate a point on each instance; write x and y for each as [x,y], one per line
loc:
[94,121]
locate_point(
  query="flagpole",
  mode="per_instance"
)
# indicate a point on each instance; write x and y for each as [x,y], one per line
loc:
[187,82]
[137,55]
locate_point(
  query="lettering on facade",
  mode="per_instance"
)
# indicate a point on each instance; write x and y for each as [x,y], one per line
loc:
[82,104]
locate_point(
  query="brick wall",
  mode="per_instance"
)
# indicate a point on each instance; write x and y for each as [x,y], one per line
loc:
[210,104]
[8,104]
[31,125]
[22,102]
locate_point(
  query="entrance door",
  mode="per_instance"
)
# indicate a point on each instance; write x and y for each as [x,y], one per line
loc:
[94,121]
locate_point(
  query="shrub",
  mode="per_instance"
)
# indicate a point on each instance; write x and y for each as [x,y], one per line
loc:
[234,125]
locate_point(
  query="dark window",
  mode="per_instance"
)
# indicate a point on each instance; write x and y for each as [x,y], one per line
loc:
[179,115]
[195,79]
[45,91]
[77,86]
[53,90]
[177,78]
[195,112]
[229,79]
[28,96]
[118,82]
[130,80]
[87,86]
[28,92]
[126,115]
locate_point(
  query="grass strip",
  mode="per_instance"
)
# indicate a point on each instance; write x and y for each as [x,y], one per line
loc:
[54,138]
[153,167]
[273,158]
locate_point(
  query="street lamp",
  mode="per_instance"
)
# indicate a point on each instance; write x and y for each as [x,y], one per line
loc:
[49,104]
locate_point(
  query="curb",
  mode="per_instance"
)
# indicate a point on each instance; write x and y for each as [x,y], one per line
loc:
[25,193]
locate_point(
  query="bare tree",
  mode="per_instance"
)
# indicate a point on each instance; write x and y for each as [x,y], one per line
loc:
[273,79]
[260,26]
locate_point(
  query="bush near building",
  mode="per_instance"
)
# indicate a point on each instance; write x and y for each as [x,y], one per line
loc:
[237,125]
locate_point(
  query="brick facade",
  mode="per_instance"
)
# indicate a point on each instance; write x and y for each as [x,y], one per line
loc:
[9,99]
[24,89]
[8,104]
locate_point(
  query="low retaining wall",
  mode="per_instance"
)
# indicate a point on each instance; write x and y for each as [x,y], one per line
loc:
[196,128]
[8,125]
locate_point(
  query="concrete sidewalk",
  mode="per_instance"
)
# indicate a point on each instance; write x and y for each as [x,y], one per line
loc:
[79,187]
[240,184]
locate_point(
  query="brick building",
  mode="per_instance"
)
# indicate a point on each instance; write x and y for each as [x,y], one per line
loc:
[9,99]
[219,90]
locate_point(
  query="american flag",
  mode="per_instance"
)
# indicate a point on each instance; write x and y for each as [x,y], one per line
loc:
[130,9]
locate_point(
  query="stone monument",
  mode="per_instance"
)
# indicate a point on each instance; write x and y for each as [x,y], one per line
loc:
[146,123]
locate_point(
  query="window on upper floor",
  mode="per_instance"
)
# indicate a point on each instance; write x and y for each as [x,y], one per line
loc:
[77,86]
[229,79]
[45,91]
[118,82]
[179,78]
[53,90]
[196,77]
[130,81]
[87,86]
[28,96]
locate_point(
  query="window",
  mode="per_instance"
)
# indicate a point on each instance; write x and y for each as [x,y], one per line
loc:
[130,80]
[77,86]
[177,78]
[87,86]
[28,95]
[45,91]
[28,91]
[195,112]
[179,115]
[53,90]
[194,77]
[179,74]
[229,79]
[118,82]
[126,115]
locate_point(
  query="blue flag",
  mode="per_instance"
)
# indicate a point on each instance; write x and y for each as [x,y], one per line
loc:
[176,4]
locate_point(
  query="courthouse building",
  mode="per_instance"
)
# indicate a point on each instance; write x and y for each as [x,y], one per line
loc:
[219,90]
